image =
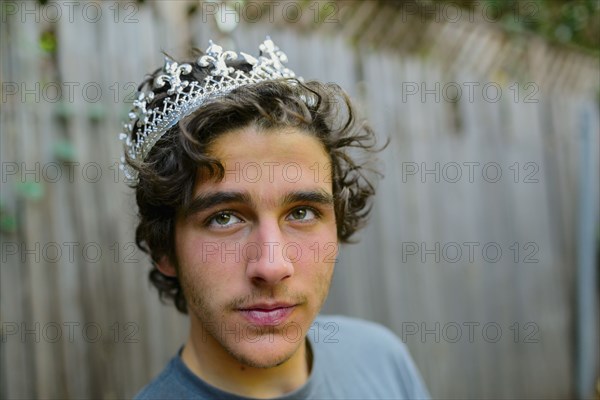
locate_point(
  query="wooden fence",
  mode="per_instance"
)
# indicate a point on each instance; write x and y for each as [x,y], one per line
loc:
[470,256]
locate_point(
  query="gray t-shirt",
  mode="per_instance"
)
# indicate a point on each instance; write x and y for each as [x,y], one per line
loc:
[352,359]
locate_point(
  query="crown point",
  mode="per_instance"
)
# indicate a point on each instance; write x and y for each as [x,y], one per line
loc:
[248,58]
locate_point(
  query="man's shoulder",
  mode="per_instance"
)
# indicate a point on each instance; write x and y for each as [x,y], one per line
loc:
[369,357]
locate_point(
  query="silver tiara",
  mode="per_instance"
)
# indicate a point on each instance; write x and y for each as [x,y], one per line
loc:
[188,96]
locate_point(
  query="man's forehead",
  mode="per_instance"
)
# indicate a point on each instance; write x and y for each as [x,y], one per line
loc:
[250,174]
[266,167]
[280,143]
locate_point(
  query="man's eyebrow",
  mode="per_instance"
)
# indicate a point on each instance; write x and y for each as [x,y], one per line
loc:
[205,201]
[310,196]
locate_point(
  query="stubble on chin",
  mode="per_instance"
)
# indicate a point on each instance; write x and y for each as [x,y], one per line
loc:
[212,321]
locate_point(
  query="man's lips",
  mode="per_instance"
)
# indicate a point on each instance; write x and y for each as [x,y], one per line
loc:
[267,306]
[267,314]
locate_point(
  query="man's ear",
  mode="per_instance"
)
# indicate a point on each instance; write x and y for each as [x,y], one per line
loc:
[166,267]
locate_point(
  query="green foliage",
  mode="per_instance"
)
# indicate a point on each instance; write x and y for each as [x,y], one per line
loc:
[8,222]
[30,190]
[64,151]
[573,22]
[48,41]
[568,22]
[96,112]
[63,110]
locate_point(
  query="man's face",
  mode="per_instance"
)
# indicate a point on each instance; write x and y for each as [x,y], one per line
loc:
[256,251]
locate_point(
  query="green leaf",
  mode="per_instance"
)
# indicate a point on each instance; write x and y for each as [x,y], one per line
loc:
[63,110]
[48,42]
[31,190]
[96,112]
[8,223]
[64,150]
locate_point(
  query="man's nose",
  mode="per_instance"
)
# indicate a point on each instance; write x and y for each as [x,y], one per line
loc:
[267,264]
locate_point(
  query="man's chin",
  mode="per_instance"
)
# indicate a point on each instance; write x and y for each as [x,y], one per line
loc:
[265,352]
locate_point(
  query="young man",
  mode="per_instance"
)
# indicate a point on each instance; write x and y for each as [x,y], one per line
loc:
[246,181]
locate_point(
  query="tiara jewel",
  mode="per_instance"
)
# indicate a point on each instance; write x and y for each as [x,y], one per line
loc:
[187,96]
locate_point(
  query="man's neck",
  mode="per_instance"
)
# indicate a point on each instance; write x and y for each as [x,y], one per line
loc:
[207,359]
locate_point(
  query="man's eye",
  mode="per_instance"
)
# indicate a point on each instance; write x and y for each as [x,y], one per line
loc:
[302,214]
[223,219]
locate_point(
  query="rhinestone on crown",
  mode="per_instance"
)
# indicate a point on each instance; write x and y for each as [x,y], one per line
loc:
[188,96]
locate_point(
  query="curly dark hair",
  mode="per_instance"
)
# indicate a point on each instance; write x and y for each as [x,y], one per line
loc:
[167,176]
